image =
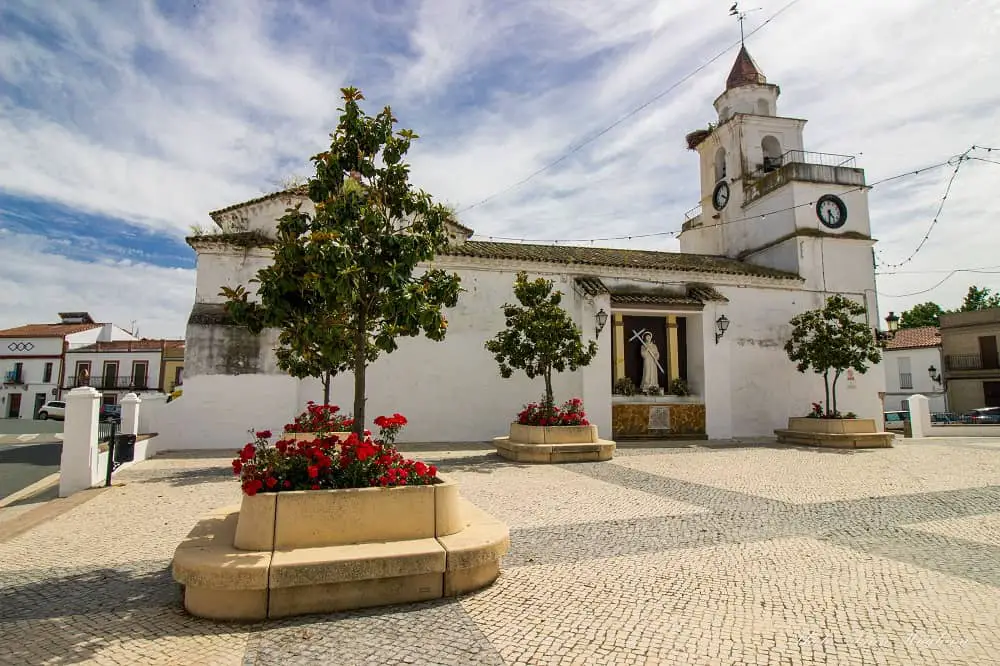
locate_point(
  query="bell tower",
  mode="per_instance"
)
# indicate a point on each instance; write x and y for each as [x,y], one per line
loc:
[768,201]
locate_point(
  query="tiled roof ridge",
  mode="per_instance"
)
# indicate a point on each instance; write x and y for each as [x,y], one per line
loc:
[618,257]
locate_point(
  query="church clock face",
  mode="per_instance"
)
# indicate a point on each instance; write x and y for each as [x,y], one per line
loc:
[831,211]
[720,195]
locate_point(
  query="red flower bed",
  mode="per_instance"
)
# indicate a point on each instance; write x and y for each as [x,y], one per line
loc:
[538,414]
[320,419]
[321,464]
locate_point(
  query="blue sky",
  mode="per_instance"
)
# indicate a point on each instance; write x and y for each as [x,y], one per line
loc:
[123,123]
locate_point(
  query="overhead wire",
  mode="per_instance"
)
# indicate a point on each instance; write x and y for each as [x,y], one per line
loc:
[939,283]
[676,232]
[579,146]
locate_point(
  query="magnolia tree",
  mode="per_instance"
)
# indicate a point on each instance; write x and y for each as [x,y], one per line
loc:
[831,340]
[540,336]
[343,285]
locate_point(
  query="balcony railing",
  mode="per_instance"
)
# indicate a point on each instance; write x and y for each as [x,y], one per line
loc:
[804,157]
[963,362]
[13,377]
[111,382]
[906,380]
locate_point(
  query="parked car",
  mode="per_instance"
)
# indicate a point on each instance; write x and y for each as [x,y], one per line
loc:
[53,409]
[984,415]
[896,420]
[110,413]
[944,418]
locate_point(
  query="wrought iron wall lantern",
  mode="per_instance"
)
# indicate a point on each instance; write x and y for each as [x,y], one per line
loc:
[602,318]
[721,326]
[934,374]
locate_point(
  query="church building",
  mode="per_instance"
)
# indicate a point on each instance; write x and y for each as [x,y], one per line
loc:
[690,342]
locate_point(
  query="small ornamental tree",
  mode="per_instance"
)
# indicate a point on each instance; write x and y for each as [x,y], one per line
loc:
[540,336]
[342,287]
[831,339]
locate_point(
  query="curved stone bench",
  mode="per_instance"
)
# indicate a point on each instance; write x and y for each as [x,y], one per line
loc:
[223,582]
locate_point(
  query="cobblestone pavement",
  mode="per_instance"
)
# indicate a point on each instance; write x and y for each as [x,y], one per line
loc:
[709,554]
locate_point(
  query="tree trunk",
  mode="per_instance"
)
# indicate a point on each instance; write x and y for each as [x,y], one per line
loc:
[549,399]
[834,393]
[326,388]
[826,386]
[360,364]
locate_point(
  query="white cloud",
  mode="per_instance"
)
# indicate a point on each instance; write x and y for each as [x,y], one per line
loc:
[36,284]
[240,93]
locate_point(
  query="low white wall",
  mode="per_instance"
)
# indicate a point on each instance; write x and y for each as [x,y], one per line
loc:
[921,426]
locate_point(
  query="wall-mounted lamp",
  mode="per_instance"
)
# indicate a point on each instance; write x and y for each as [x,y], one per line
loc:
[602,319]
[934,374]
[721,326]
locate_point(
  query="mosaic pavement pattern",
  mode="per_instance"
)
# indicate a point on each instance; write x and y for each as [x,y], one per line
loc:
[707,554]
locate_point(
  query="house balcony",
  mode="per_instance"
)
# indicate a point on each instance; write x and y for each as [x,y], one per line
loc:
[13,377]
[801,165]
[112,382]
[970,366]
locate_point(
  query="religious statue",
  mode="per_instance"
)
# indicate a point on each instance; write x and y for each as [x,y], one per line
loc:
[650,363]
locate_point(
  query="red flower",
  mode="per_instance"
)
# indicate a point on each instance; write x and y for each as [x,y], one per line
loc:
[263,434]
[286,484]
[237,466]
[248,452]
[420,468]
[314,486]
[271,482]
[313,471]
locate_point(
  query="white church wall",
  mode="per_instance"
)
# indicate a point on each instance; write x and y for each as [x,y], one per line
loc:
[452,390]
[216,269]
[766,387]
[757,232]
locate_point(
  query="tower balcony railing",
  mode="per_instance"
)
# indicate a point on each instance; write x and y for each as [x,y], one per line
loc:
[804,157]
[692,218]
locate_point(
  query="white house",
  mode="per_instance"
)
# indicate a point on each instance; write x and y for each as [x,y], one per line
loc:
[781,229]
[32,359]
[121,366]
[913,362]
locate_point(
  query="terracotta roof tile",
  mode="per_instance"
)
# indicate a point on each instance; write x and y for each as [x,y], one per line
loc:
[45,330]
[294,191]
[602,256]
[127,345]
[915,338]
[591,286]
[745,71]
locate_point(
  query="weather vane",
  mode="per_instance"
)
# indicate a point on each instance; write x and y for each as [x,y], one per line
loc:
[741,16]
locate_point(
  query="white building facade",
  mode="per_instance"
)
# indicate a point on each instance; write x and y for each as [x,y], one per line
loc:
[32,360]
[119,367]
[781,230]
[913,365]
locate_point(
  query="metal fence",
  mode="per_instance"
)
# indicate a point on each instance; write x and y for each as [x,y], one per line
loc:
[105,431]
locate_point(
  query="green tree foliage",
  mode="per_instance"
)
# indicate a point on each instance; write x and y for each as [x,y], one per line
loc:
[924,314]
[980,298]
[343,287]
[831,339]
[540,335]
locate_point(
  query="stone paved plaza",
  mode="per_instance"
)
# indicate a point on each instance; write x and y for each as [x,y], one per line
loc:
[705,554]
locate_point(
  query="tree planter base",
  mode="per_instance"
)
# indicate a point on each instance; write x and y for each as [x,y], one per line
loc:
[223,582]
[554,444]
[834,433]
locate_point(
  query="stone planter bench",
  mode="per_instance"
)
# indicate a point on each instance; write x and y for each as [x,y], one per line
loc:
[554,444]
[292,553]
[834,433]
